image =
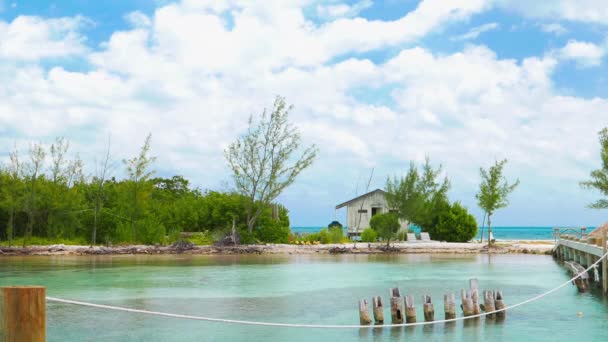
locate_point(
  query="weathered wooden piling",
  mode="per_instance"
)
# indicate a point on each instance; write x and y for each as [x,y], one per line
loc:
[410,310]
[23,313]
[578,270]
[396,306]
[488,303]
[474,288]
[364,317]
[449,307]
[378,308]
[466,302]
[499,304]
[429,310]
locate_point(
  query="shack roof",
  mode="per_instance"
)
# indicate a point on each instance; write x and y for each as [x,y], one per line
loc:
[359,197]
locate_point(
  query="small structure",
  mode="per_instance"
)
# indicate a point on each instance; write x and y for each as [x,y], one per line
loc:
[361,209]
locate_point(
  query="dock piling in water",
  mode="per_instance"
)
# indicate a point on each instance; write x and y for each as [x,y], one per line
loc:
[378,308]
[364,317]
[474,290]
[410,310]
[429,310]
[488,303]
[449,306]
[396,306]
[499,304]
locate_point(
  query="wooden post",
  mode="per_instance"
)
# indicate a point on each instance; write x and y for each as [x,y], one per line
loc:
[473,285]
[396,306]
[499,304]
[23,313]
[449,307]
[429,310]
[604,262]
[466,302]
[378,310]
[364,312]
[488,303]
[410,310]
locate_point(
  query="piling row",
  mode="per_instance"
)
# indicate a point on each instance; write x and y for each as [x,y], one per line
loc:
[470,306]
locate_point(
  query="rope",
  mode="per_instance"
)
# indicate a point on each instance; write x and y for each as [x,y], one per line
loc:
[318,326]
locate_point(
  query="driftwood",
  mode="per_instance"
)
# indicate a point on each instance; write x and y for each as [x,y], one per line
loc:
[410,310]
[429,310]
[396,306]
[378,310]
[364,317]
[449,306]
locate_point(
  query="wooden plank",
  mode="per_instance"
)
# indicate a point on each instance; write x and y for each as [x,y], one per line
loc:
[23,313]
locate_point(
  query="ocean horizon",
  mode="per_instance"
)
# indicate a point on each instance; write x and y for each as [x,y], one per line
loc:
[499,232]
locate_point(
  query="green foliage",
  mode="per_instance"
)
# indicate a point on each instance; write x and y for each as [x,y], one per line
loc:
[369,235]
[201,239]
[262,161]
[416,195]
[386,225]
[599,177]
[453,224]
[493,190]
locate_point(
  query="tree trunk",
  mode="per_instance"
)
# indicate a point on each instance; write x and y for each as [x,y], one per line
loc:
[9,227]
[94,237]
[489,231]
[483,226]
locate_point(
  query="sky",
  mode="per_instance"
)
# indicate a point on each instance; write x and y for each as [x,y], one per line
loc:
[374,84]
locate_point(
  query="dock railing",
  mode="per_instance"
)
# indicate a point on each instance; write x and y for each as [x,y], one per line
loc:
[578,232]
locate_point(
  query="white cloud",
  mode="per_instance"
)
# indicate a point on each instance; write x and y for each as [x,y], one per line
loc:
[332,11]
[554,28]
[138,19]
[33,38]
[584,53]
[591,11]
[476,31]
[192,80]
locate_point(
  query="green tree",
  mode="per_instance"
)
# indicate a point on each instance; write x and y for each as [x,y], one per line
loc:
[262,162]
[493,191]
[599,177]
[369,235]
[416,195]
[11,192]
[33,170]
[386,225]
[453,223]
[99,181]
[138,185]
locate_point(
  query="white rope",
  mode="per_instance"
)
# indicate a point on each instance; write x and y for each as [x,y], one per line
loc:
[317,326]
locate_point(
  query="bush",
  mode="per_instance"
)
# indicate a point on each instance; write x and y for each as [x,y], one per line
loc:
[369,235]
[201,239]
[273,232]
[453,224]
[386,225]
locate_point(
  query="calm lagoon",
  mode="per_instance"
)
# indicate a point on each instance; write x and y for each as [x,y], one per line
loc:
[314,289]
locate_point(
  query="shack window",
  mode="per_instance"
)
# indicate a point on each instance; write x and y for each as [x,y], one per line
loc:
[362,211]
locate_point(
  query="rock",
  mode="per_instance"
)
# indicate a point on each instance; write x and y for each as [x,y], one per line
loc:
[182,245]
[56,248]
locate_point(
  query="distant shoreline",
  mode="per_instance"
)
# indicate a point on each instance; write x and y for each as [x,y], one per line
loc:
[502,247]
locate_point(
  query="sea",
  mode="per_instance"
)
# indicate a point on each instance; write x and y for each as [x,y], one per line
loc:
[500,233]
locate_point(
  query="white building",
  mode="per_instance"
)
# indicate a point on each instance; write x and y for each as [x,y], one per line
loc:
[361,209]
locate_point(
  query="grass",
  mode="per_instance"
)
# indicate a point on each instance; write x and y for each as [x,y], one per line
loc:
[42,241]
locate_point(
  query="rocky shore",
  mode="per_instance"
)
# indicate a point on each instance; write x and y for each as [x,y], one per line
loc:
[502,247]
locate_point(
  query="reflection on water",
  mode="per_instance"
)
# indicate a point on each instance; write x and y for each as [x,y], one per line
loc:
[314,289]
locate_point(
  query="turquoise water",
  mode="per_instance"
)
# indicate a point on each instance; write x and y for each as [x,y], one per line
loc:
[502,233]
[298,289]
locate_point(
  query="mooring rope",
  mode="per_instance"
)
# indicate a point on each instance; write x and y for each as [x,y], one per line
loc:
[318,326]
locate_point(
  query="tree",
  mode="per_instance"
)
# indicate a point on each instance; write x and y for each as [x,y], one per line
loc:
[386,225]
[262,162]
[11,192]
[453,224]
[416,195]
[599,177]
[139,174]
[34,167]
[99,181]
[493,192]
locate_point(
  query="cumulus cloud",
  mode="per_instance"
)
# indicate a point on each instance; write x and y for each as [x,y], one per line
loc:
[584,53]
[591,11]
[193,79]
[332,11]
[554,28]
[33,38]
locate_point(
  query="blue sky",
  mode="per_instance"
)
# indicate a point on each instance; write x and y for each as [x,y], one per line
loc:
[375,84]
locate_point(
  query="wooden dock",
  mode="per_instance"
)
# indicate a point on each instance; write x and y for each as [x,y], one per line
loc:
[580,251]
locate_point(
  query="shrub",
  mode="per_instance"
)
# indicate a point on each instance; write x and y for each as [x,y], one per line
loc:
[201,239]
[453,224]
[273,232]
[386,225]
[369,235]
[335,235]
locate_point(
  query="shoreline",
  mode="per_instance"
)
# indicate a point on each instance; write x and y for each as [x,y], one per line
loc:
[501,247]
